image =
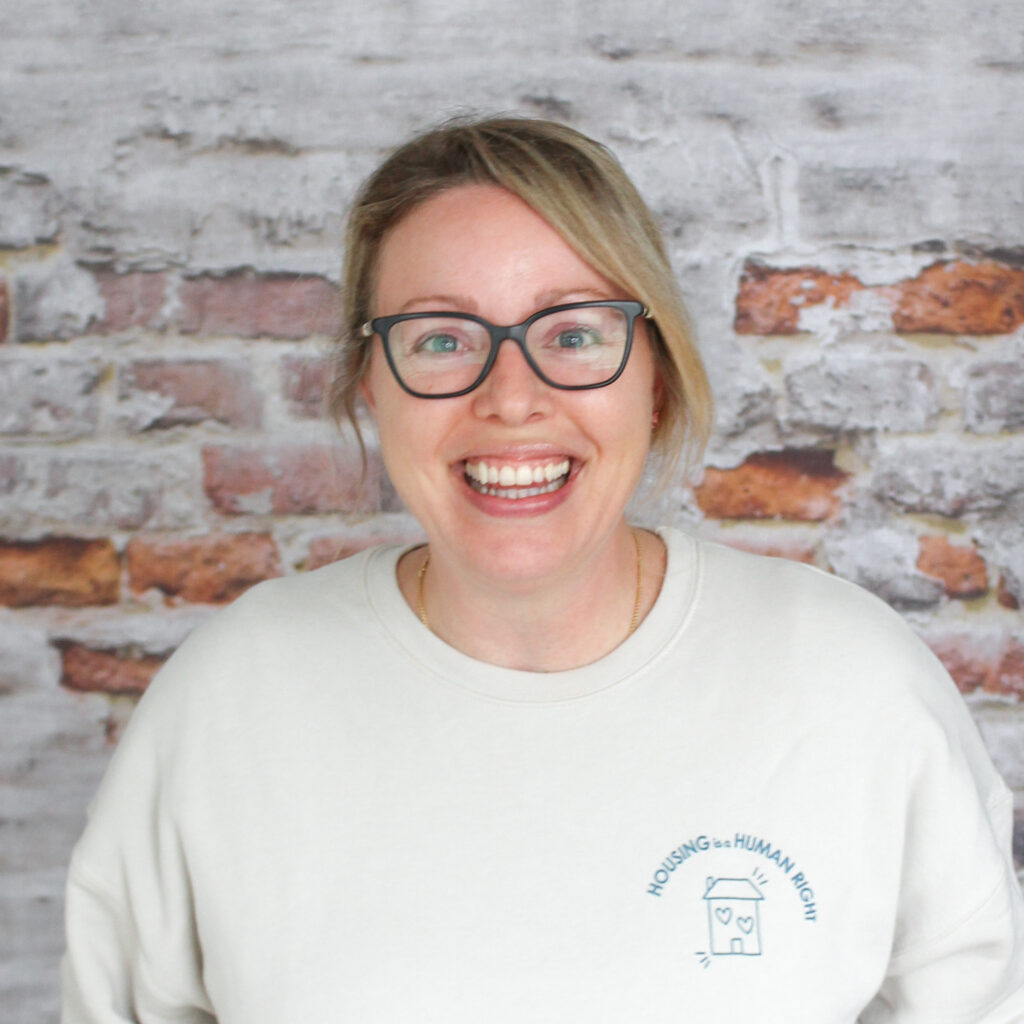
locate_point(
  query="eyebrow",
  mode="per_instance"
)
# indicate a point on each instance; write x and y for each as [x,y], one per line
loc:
[466,304]
[557,296]
[462,303]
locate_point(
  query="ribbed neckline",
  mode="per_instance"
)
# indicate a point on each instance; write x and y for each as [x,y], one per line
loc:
[661,628]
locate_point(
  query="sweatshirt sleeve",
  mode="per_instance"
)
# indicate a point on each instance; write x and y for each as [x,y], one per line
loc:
[132,945]
[958,950]
[104,979]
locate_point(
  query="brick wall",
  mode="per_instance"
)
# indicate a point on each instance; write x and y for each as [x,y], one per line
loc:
[842,192]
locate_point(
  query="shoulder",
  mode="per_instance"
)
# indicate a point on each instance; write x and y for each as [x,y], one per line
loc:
[797,602]
[269,640]
[837,658]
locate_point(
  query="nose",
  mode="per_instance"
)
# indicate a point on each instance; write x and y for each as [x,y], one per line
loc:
[512,392]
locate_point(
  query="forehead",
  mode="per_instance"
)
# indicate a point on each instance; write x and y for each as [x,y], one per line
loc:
[482,245]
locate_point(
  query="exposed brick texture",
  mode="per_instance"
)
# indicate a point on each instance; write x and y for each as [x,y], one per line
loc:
[254,306]
[799,485]
[960,567]
[1005,598]
[107,671]
[131,299]
[205,570]
[171,237]
[304,384]
[329,548]
[945,298]
[286,479]
[59,571]
[962,298]
[324,550]
[993,668]
[770,301]
[194,389]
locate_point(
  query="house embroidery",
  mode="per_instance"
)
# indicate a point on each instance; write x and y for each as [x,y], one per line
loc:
[734,916]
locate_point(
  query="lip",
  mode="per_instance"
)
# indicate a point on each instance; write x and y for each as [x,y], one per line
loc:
[519,453]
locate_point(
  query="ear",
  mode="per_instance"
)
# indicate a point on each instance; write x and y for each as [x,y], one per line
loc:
[658,391]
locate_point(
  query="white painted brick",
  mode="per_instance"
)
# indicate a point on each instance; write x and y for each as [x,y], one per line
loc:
[1002,543]
[54,300]
[949,479]
[883,560]
[994,397]
[28,210]
[99,489]
[844,393]
[151,632]
[27,661]
[48,397]
[28,989]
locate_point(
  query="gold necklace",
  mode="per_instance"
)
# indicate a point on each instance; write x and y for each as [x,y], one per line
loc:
[633,622]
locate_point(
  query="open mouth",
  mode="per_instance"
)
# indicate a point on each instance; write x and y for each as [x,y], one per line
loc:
[501,480]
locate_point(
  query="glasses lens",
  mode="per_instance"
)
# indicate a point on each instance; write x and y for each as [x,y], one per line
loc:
[438,355]
[579,346]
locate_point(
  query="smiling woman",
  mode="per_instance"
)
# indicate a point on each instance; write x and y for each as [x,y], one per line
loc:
[439,782]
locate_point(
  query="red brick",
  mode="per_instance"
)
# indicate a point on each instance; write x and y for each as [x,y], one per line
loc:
[304,383]
[981,665]
[204,570]
[1005,597]
[798,485]
[107,671]
[962,570]
[1009,674]
[334,547]
[5,312]
[960,298]
[770,300]
[324,550]
[59,571]
[200,389]
[970,668]
[134,299]
[259,305]
[287,479]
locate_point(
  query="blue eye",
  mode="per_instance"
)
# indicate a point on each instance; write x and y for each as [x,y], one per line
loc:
[439,343]
[577,337]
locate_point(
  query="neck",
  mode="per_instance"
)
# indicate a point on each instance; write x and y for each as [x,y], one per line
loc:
[548,625]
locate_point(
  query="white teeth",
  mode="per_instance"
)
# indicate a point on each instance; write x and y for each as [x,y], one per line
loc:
[517,481]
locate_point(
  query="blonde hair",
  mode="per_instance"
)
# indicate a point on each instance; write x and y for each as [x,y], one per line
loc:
[581,190]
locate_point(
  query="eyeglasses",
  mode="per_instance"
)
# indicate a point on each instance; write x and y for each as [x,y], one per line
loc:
[573,347]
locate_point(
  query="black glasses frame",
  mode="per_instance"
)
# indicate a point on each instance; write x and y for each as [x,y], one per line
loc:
[515,332]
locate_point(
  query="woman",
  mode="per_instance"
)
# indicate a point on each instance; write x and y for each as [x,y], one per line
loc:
[547,767]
